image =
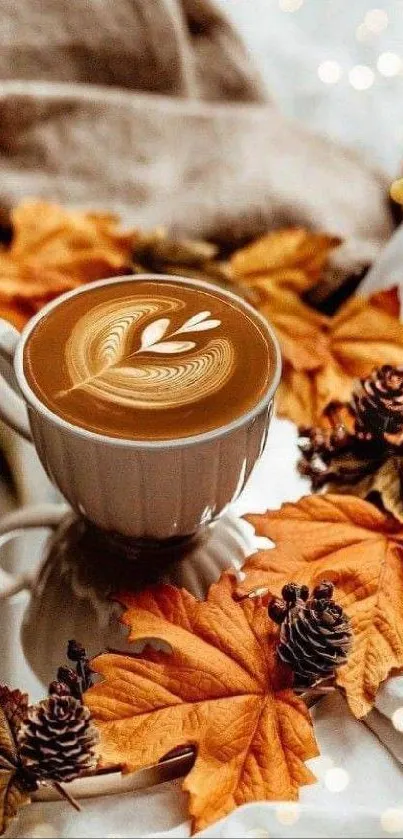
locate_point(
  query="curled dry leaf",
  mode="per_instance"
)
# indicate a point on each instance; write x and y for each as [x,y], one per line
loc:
[54,250]
[384,487]
[13,705]
[360,549]
[293,258]
[220,689]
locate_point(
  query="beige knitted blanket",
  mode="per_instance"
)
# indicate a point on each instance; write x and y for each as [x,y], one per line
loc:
[152,108]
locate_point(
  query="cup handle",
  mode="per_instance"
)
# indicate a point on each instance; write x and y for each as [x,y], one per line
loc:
[14,524]
[12,406]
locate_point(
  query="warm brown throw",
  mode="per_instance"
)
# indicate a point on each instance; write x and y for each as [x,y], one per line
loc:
[151,108]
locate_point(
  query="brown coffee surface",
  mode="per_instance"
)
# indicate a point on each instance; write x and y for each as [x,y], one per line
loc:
[149,360]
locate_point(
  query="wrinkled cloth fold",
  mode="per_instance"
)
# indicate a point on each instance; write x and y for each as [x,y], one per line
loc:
[154,110]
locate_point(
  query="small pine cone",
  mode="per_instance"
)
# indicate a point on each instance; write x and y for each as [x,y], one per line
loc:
[58,740]
[315,637]
[76,651]
[59,689]
[319,449]
[68,677]
[378,405]
[318,441]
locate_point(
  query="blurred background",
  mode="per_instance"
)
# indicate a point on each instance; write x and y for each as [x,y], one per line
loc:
[333,64]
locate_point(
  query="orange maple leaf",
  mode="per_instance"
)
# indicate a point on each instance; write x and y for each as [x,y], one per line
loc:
[220,689]
[323,356]
[54,250]
[360,549]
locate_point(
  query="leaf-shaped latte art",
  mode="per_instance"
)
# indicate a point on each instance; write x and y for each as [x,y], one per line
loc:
[154,332]
[195,319]
[112,348]
[108,355]
[200,327]
[172,347]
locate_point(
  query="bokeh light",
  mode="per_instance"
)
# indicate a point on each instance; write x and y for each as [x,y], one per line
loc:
[397,717]
[389,64]
[329,72]
[392,820]
[376,20]
[290,5]
[336,779]
[288,814]
[361,77]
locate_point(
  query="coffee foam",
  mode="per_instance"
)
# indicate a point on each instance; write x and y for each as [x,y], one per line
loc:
[108,355]
[149,359]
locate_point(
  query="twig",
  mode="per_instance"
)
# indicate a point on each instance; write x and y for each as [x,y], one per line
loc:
[314,693]
[66,795]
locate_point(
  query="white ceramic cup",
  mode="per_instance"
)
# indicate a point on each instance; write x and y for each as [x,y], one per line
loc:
[140,489]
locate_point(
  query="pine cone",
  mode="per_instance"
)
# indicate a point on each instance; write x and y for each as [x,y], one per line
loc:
[58,740]
[334,455]
[315,634]
[378,405]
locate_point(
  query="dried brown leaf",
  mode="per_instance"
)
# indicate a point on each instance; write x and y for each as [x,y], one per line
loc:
[54,250]
[12,797]
[384,487]
[291,257]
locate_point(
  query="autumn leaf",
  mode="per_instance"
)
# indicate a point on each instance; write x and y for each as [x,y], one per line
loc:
[360,549]
[396,191]
[323,356]
[219,689]
[15,314]
[384,486]
[54,250]
[12,795]
[14,705]
[291,257]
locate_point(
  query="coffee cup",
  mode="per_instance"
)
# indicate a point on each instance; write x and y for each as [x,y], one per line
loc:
[143,488]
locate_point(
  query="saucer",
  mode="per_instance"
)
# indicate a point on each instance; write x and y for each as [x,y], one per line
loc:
[71,596]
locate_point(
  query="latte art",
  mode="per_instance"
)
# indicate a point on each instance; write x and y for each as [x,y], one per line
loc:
[105,355]
[149,359]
